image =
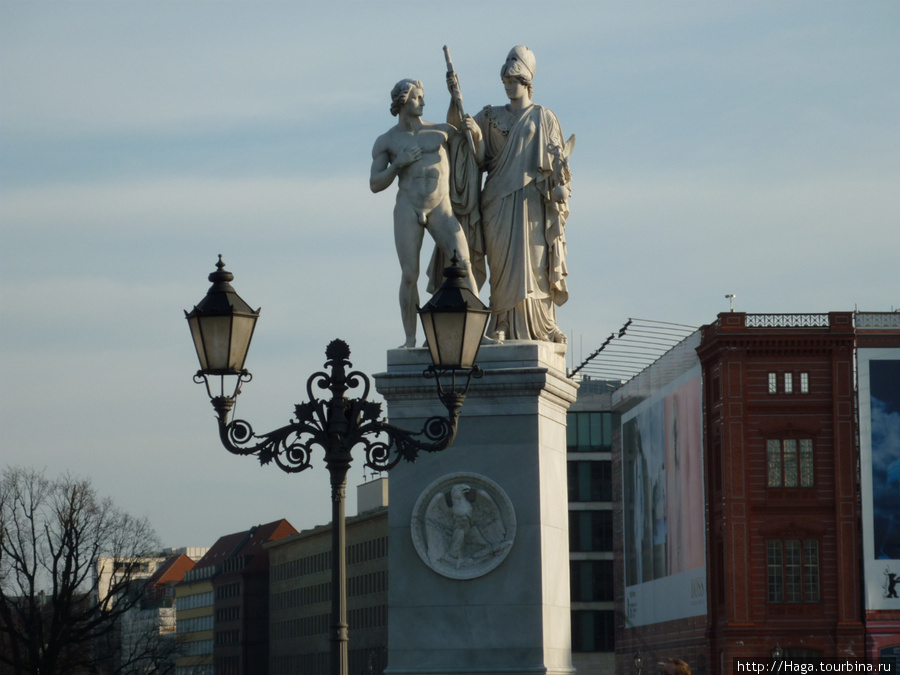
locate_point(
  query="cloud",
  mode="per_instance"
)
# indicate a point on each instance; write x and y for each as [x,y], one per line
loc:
[83,69]
[178,205]
[744,148]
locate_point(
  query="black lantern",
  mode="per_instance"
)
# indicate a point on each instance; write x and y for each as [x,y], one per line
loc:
[638,662]
[222,326]
[454,321]
[777,652]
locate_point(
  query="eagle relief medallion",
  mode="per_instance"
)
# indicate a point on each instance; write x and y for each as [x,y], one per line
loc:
[463,525]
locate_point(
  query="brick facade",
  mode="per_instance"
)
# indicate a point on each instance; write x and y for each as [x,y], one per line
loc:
[744,413]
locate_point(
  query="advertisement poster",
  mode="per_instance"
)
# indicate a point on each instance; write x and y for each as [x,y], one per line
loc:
[879,436]
[664,524]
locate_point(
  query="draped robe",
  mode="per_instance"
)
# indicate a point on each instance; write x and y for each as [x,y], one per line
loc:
[523,228]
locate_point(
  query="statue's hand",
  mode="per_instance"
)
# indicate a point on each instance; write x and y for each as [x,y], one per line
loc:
[408,156]
[452,82]
[472,127]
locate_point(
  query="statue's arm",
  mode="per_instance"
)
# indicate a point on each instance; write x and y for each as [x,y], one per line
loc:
[383,172]
[463,124]
[383,169]
[477,138]
[453,116]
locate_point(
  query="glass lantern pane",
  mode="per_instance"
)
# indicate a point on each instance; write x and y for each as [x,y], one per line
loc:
[198,341]
[216,341]
[241,333]
[448,328]
[428,329]
[475,325]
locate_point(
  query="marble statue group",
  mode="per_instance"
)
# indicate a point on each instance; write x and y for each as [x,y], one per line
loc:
[513,219]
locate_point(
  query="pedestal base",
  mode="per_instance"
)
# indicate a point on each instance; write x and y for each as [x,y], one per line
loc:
[514,617]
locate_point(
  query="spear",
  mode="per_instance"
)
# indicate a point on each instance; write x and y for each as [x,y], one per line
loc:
[457,98]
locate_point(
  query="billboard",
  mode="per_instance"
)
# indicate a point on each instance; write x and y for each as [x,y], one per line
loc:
[879,441]
[664,528]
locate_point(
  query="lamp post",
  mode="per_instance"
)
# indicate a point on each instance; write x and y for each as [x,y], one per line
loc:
[638,663]
[222,326]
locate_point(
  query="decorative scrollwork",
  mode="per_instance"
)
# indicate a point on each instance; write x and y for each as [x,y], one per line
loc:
[240,432]
[440,432]
[284,445]
[339,424]
[293,458]
[357,379]
[378,456]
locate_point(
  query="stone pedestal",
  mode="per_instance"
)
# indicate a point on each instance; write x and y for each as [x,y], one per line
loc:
[479,574]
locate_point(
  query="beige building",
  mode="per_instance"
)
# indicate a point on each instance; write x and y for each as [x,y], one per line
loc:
[300,591]
[112,572]
[195,598]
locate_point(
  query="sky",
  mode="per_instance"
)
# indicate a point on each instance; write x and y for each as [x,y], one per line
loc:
[747,148]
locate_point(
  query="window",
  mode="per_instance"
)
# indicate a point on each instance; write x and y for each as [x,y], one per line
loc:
[773,383]
[804,383]
[592,580]
[194,601]
[790,462]
[590,481]
[195,624]
[590,531]
[788,383]
[593,631]
[793,570]
[589,431]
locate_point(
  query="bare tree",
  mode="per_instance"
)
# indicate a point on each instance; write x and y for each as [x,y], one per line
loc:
[52,534]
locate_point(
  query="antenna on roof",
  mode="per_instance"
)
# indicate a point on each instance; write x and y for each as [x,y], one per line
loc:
[731,297]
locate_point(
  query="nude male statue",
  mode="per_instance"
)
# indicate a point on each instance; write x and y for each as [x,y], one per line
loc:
[416,152]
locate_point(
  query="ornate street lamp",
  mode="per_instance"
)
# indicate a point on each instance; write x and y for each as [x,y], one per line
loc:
[222,325]
[453,321]
[638,663]
[777,652]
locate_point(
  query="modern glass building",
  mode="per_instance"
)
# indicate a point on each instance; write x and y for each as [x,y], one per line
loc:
[589,446]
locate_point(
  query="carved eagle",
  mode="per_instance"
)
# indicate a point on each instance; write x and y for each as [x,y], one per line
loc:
[464,526]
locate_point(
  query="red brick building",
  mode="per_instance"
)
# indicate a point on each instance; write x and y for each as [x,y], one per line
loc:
[783,522]
[779,465]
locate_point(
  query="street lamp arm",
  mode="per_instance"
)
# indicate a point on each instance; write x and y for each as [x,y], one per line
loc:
[339,424]
[440,432]
[291,446]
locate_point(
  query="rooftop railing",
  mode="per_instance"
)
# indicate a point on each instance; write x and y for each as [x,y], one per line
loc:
[787,321]
[878,320]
